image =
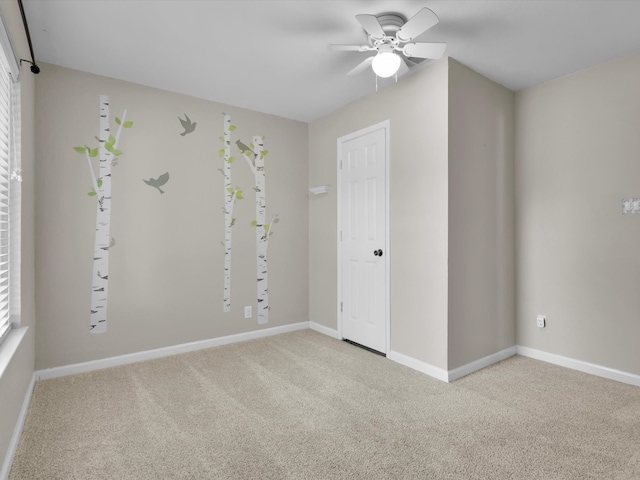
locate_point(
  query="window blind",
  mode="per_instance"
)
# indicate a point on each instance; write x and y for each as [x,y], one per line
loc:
[8,169]
[5,179]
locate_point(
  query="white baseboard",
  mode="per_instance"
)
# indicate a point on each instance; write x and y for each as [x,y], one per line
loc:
[481,363]
[418,365]
[164,352]
[325,330]
[586,367]
[451,375]
[17,431]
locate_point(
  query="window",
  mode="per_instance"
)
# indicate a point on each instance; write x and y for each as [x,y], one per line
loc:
[10,177]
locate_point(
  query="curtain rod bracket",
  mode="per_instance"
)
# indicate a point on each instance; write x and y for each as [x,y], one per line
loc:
[34,68]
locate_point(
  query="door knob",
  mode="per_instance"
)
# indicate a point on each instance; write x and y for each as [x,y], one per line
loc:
[377,253]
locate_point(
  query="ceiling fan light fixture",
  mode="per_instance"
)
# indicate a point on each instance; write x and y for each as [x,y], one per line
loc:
[389,35]
[386,63]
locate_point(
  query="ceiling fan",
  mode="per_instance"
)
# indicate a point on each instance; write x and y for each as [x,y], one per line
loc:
[390,36]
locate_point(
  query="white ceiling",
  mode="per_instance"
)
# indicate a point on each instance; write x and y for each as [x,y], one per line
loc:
[271,55]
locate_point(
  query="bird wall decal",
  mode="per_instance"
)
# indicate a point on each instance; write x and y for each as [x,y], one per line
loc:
[244,148]
[187,124]
[158,182]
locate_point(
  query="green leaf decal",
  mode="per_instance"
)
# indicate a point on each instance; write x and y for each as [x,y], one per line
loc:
[92,193]
[128,124]
[80,149]
[99,183]
[117,153]
[232,128]
[93,153]
[221,139]
[112,140]
[118,121]
[231,160]
[109,147]
[230,190]
[221,152]
[276,220]
[254,223]
[263,154]
[239,195]
[266,229]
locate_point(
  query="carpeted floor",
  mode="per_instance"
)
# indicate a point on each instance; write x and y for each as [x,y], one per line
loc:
[305,406]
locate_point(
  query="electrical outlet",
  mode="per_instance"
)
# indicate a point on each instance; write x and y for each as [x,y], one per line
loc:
[541,321]
[247,311]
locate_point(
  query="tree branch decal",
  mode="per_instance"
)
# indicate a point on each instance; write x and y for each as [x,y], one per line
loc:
[230,196]
[107,153]
[255,155]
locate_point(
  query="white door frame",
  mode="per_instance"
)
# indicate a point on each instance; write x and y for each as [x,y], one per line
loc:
[386,125]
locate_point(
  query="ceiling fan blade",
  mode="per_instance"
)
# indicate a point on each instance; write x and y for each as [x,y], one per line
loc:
[424,50]
[362,66]
[349,48]
[404,68]
[371,25]
[419,23]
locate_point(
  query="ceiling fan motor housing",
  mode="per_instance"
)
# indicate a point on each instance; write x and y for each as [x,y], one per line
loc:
[391,23]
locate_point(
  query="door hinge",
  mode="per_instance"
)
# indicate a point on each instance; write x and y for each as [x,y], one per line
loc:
[340,307]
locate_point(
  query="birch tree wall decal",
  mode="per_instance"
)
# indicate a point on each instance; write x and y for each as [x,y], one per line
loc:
[254,155]
[107,153]
[230,196]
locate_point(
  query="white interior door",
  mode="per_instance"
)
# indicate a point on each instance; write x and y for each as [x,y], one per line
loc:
[363,258]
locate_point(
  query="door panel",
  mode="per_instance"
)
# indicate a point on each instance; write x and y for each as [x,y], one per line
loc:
[363,217]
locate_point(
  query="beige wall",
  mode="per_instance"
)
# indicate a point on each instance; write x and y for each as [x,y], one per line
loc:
[417,109]
[166,269]
[578,155]
[481,217]
[15,380]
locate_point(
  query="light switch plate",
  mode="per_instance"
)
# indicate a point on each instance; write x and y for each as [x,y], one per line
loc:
[630,205]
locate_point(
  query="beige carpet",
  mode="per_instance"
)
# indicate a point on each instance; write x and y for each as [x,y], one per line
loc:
[305,406]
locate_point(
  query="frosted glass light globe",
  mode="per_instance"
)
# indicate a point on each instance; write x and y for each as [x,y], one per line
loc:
[386,64]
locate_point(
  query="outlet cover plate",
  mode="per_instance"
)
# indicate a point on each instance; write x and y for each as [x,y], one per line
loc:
[541,321]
